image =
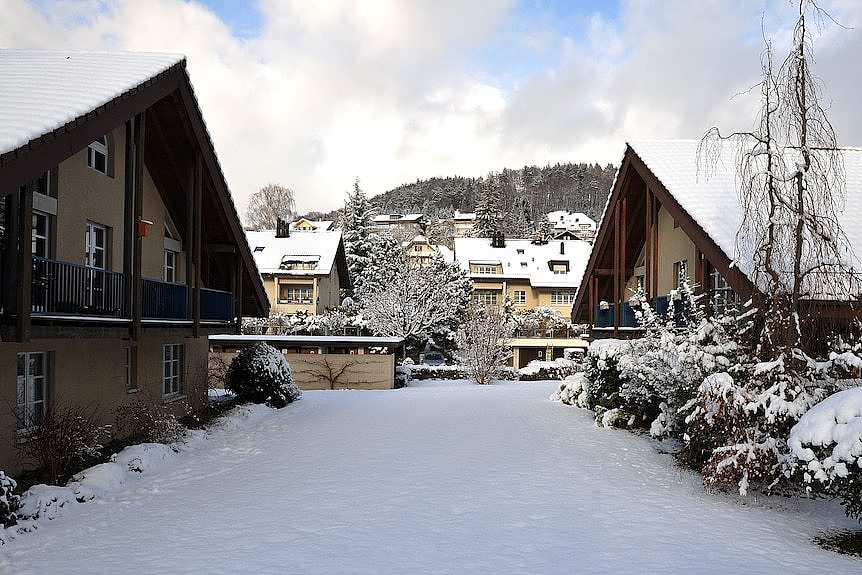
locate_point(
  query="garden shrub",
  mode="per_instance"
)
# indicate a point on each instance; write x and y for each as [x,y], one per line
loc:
[261,374]
[548,370]
[9,502]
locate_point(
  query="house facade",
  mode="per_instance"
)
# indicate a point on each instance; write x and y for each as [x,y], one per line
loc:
[669,218]
[302,271]
[572,225]
[529,276]
[400,225]
[120,246]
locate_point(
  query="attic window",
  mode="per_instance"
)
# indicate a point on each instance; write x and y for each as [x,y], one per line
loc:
[258,248]
[520,251]
[97,155]
[523,264]
[559,268]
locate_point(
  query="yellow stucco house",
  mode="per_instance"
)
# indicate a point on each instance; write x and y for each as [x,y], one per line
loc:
[302,271]
[530,275]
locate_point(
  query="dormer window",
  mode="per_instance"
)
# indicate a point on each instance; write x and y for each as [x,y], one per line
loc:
[520,251]
[97,155]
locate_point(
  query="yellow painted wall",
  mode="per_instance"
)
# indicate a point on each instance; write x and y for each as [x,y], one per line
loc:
[73,380]
[534,296]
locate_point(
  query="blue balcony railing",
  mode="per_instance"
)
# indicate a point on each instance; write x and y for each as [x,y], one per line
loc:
[663,306]
[163,300]
[216,305]
[70,289]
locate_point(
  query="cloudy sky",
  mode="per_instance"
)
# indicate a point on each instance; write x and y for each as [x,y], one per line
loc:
[314,93]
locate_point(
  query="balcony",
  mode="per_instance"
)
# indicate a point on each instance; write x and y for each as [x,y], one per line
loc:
[63,288]
[163,300]
[66,289]
[663,306]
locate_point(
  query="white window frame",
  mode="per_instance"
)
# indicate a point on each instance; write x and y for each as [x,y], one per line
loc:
[96,151]
[486,297]
[483,269]
[721,295]
[170,271]
[296,294]
[41,234]
[563,297]
[519,297]
[93,249]
[172,369]
[32,389]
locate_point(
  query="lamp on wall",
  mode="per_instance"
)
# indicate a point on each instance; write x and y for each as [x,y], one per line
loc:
[144,228]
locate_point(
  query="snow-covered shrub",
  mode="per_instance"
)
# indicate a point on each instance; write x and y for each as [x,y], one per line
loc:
[9,502]
[827,444]
[261,374]
[402,376]
[483,342]
[573,390]
[548,370]
[66,439]
[602,371]
[738,423]
[438,372]
[614,417]
[408,361]
[147,419]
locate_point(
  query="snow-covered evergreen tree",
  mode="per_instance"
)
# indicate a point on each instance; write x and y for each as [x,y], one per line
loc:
[543,232]
[356,224]
[489,212]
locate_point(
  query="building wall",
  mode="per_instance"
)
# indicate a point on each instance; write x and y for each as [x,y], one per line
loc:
[325,290]
[535,297]
[73,379]
[153,246]
[328,291]
[87,195]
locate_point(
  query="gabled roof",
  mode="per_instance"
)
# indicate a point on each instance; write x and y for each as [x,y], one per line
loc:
[564,220]
[325,248]
[318,225]
[398,219]
[54,103]
[522,259]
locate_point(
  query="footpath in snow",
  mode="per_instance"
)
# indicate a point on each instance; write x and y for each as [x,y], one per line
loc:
[433,478]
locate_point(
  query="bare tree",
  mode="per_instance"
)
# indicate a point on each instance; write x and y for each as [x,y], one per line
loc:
[266,206]
[484,342]
[792,187]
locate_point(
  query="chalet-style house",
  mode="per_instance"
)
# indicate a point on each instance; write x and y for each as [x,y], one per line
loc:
[304,225]
[530,275]
[572,226]
[668,216]
[121,249]
[463,222]
[302,271]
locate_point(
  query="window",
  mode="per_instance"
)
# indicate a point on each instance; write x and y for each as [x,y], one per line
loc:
[520,251]
[560,268]
[724,299]
[485,296]
[297,265]
[173,363]
[97,155]
[680,273]
[170,266]
[41,234]
[485,269]
[131,368]
[95,258]
[296,294]
[523,264]
[520,297]
[562,297]
[31,383]
[258,248]
[417,248]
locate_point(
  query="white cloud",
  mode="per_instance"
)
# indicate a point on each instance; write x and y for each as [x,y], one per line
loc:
[391,91]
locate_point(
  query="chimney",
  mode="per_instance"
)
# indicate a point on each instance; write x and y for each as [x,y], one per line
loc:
[562,248]
[282,228]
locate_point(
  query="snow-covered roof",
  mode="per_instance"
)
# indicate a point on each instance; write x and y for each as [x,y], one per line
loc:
[43,90]
[464,216]
[710,197]
[269,251]
[563,220]
[521,259]
[398,218]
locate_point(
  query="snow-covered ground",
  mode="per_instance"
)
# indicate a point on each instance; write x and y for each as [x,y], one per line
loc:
[434,478]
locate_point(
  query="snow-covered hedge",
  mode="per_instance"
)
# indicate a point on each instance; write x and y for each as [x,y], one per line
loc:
[827,442]
[9,502]
[261,374]
[451,372]
[548,370]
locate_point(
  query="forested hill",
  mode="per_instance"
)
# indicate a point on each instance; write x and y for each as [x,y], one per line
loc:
[574,187]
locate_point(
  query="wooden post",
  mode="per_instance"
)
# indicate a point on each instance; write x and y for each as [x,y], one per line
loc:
[137,279]
[655,247]
[238,271]
[129,223]
[196,243]
[616,272]
[24,216]
[648,268]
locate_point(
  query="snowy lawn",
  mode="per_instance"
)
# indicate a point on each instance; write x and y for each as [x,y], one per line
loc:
[434,478]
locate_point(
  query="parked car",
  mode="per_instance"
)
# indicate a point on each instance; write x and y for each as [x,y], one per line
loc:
[433,358]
